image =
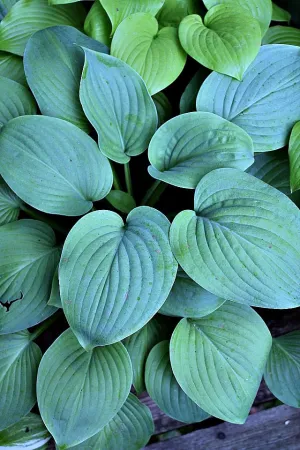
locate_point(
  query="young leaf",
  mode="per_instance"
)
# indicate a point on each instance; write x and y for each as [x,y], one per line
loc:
[164,389]
[282,371]
[282,35]
[219,360]
[116,102]
[188,299]
[9,204]
[63,164]
[267,112]
[242,242]
[163,107]
[121,201]
[113,276]
[19,360]
[28,16]
[53,63]
[294,157]
[79,392]
[55,299]
[97,24]
[173,11]
[29,433]
[140,43]
[280,14]
[28,258]
[11,66]
[213,42]
[189,95]
[189,146]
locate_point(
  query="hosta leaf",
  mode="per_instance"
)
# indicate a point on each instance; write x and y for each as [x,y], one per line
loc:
[140,43]
[79,392]
[189,146]
[282,372]
[118,10]
[280,14]
[19,360]
[5,6]
[53,63]
[55,299]
[164,389]
[15,100]
[9,204]
[97,24]
[266,103]
[28,258]
[213,42]
[282,35]
[188,299]
[29,433]
[242,242]
[294,157]
[121,201]
[189,95]
[113,276]
[219,360]
[163,107]
[173,11]
[11,66]
[116,102]
[28,16]
[64,182]
[131,428]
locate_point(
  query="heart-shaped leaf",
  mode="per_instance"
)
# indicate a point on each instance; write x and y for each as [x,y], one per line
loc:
[282,372]
[79,392]
[227,40]
[188,98]
[242,242]
[113,276]
[9,204]
[191,145]
[29,433]
[282,35]
[121,201]
[116,102]
[53,63]
[164,389]
[55,299]
[140,43]
[219,360]
[97,24]
[11,66]
[173,11]
[19,361]
[280,14]
[294,157]
[65,182]
[28,258]
[163,107]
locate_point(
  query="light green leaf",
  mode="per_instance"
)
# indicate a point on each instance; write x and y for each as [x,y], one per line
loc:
[294,157]
[118,10]
[164,389]
[219,360]
[55,299]
[189,146]
[53,63]
[28,258]
[28,16]
[163,107]
[113,276]
[173,11]
[227,40]
[282,371]
[268,111]
[11,66]
[140,44]
[9,204]
[63,2]
[79,392]
[242,242]
[97,24]
[121,201]
[55,182]
[280,14]
[189,95]
[29,433]
[116,102]
[188,299]
[5,6]
[15,101]
[282,35]
[19,360]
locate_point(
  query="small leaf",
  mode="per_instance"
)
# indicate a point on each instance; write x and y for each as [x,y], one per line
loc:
[9,204]
[121,201]
[19,360]
[282,35]
[140,43]
[116,102]
[55,299]
[282,372]
[174,11]
[188,98]
[219,360]
[64,182]
[29,433]
[97,24]
[294,157]
[163,107]
[280,14]
[79,392]
[11,66]
[189,146]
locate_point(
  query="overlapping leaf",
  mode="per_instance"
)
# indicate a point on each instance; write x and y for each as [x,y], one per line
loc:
[55,299]
[97,24]
[9,204]
[163,107]
[173,11]
[5,6]
[282,35]
[29,433]
[294,157]
[280,14]
[189,95]
[121,201]
[11,66]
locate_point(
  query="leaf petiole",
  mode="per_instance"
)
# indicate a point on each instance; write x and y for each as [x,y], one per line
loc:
[45,325]
[154,192]
[37,215]
[128,180]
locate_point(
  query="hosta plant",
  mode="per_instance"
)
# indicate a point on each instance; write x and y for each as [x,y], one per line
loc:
[143,226]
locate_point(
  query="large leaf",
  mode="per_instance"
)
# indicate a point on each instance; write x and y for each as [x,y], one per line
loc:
[280,14]
[97,24]
[242,242]
[140,43]
[9,204]
[28,16]
[189,95]
[19,361]
[116,102]
[29,433]
[188,299]
[191,145]
[213,42]
[11,66]
[294,157]
[113,276]
[282,371]
[28,258]
[219,360]
[266,103]
[65,171]
[164,389]
[79,392]
[53,63]
[173,11]
[282,35]
[163,107]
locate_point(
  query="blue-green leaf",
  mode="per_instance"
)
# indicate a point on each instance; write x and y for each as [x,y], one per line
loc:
[9,204]
[29,433]
[11,66]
